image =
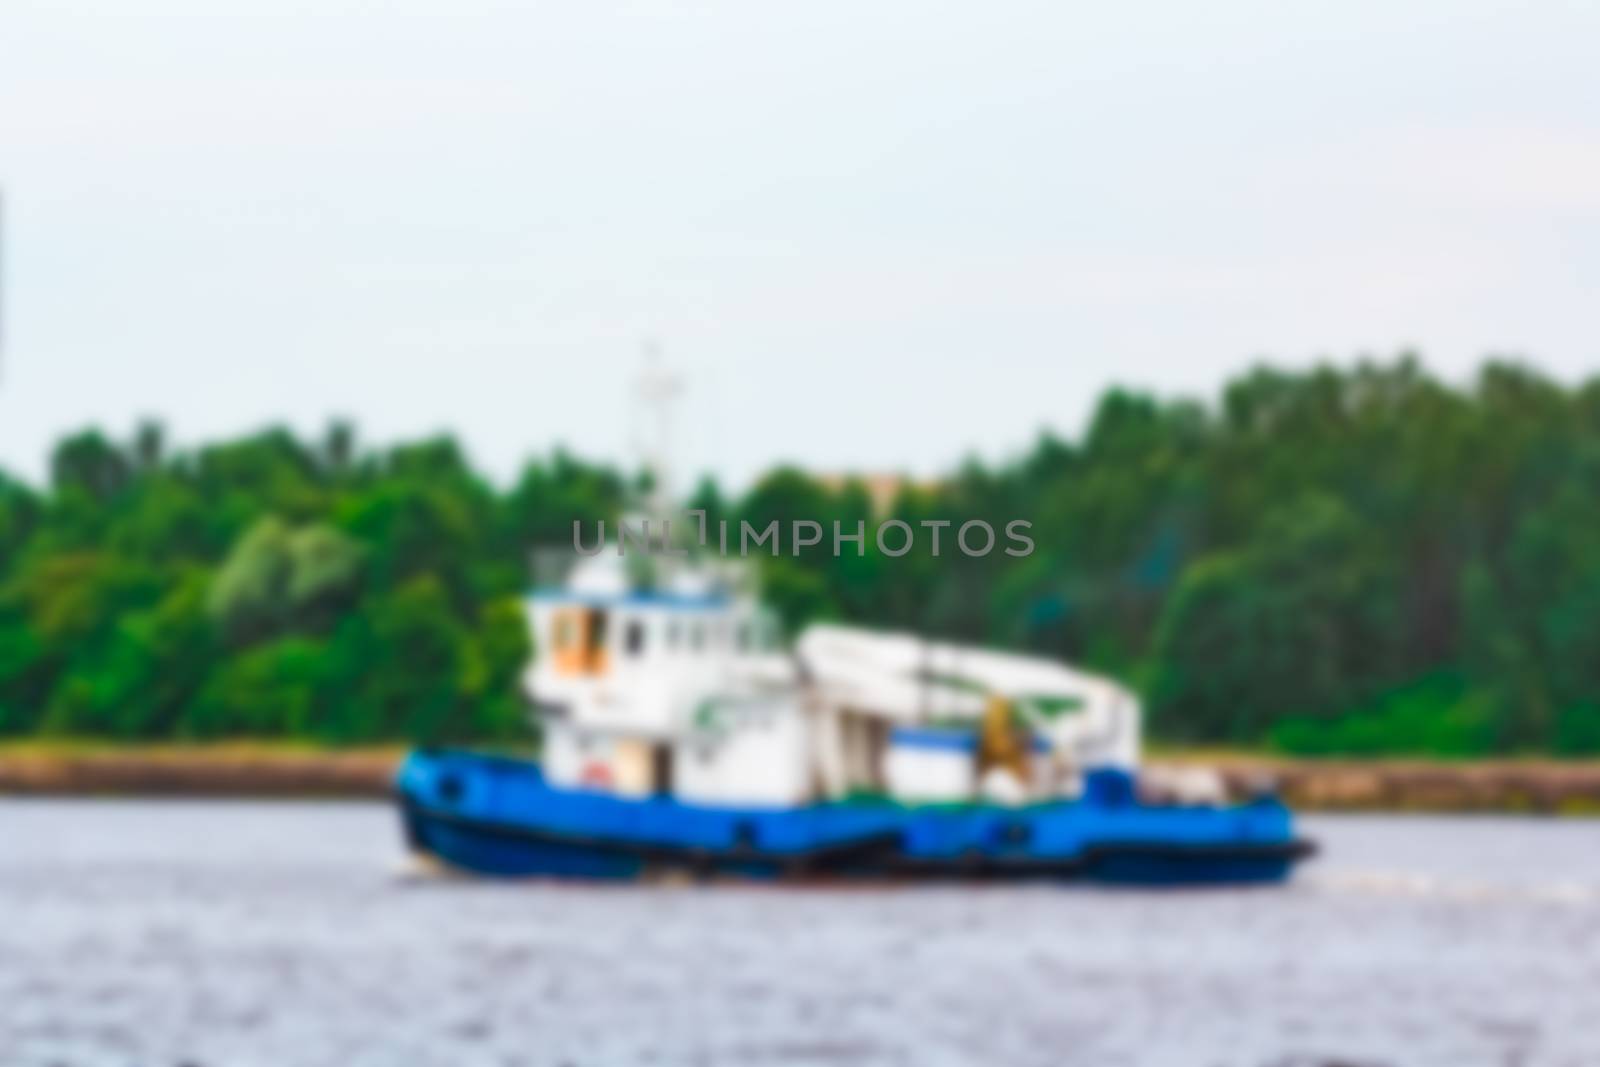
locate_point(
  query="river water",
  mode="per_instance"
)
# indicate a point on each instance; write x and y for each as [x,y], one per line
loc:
[159,934]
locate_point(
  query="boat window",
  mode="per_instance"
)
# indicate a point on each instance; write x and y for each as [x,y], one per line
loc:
[744,636]
[674,633]
[697,635]
[634,641]
[661,768]
[597,640]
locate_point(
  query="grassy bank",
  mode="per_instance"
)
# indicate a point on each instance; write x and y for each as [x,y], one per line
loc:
[1390,784]
[243,768]
[282,769]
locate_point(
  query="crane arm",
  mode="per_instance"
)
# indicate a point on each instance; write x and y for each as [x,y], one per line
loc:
[1090,719]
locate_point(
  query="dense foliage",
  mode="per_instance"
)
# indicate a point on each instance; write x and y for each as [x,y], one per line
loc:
[1356,561]
[1336,561]
[268,587]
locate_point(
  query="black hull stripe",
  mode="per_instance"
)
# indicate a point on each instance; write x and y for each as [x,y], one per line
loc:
[875,853]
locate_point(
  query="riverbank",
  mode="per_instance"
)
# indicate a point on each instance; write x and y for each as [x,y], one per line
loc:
[1524,786]
[245,769]
[261,769]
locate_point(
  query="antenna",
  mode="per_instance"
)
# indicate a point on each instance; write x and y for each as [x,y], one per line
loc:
[656,391]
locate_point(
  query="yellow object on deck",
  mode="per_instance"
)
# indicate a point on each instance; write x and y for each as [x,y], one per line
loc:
[1000,743]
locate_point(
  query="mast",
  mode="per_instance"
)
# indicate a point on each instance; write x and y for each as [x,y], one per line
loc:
[656,391]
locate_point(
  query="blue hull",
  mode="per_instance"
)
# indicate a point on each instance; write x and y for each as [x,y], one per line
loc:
[498,817]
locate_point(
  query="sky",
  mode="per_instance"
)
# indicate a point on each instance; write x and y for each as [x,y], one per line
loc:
[870,236]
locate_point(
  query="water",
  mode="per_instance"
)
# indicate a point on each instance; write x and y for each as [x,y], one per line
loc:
[291,935]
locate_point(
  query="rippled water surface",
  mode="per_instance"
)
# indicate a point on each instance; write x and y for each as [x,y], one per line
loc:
[237,934]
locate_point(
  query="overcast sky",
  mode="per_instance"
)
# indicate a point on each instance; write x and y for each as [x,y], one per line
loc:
[873,235]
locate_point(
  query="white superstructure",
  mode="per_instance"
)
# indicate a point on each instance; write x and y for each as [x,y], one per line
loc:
[681,689]
[686,689]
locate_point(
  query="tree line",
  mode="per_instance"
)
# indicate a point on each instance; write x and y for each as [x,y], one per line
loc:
[1343,560]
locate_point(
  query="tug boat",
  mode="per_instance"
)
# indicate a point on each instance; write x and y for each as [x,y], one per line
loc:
[681,738]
